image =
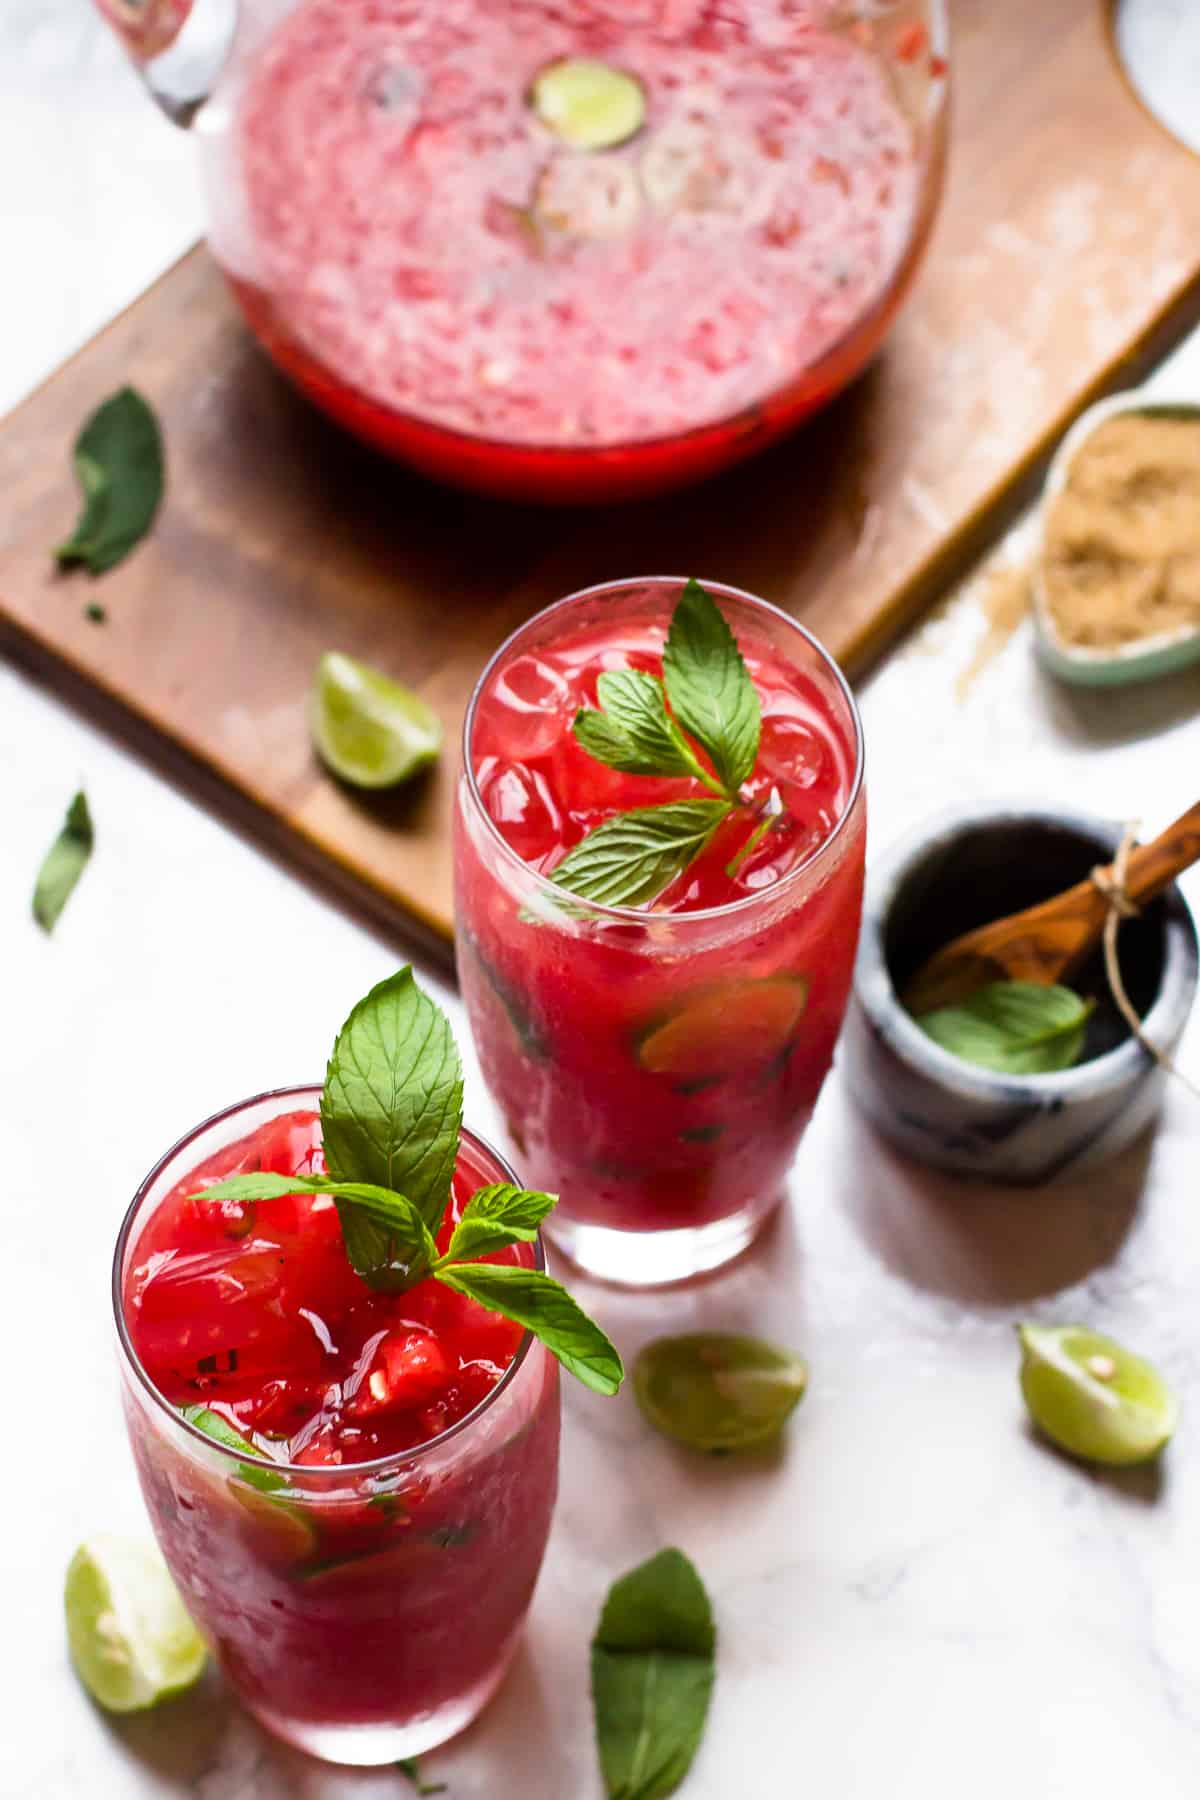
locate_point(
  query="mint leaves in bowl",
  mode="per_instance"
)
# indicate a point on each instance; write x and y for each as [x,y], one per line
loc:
[1012,1085]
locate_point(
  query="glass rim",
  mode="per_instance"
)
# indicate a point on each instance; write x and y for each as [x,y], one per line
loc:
[639,914]
[307,1471]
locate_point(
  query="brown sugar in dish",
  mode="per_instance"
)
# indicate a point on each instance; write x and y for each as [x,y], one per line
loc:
[1120,554]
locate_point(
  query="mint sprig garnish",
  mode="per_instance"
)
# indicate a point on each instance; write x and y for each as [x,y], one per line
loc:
[635,732]
[709,686]
[391,1115]
[631,858]
[634,856]
[411,1251]
[391,1112]
[542,1306]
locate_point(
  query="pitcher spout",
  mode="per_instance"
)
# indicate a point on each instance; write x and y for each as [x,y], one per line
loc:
[178,47]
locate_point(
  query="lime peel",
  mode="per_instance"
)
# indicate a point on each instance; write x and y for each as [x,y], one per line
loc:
[130,1637]
[1092,1397]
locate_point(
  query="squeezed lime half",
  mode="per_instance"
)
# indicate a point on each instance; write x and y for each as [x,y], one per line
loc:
[368,729]
[131,1641]
[588,104]
[713,1390]
[1092,1397]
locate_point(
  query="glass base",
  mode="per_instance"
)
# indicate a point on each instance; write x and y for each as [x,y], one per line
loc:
[372,1746]
[656,1258]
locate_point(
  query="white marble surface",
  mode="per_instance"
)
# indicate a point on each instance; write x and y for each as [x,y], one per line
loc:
[915,1600]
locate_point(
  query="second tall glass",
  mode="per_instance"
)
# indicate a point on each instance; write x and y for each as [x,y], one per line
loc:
[656,1068]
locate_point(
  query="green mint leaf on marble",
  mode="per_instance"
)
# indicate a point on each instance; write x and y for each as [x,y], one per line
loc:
[634,732]
[412,1251]
[409,1767]
[495,1217]
[631,858]
[119,463]
[64,863]
[391,1113]
[709,686]
[1013,1027]
[539,1304]
[218,1428]
[652,1677]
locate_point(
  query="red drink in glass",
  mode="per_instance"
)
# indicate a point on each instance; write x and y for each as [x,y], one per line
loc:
[444,274]
[656,1065]
[363,1571]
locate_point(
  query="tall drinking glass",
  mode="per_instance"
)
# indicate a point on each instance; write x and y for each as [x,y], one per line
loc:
[656,1066]
[363,1611]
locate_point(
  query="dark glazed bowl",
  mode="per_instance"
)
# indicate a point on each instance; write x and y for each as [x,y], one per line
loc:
[959,870]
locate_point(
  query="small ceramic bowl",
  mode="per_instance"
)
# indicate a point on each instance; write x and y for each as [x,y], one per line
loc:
[1146,657]
[962,869]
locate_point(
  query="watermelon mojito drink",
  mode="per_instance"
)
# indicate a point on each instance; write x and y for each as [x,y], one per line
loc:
[657,1062]
[352,1488]
[568,251]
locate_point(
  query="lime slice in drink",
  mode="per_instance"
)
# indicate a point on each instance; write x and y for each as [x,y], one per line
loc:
[131,1641]
[1092,1397]
[367,729]
[728,1029]
[282,1530]
[588,104]
[714,1391]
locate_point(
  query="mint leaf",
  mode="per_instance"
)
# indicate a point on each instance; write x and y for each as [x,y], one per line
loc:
[63,863]
[412,1248]
[119,462]
[495,1217]
[652,1676]
[631,858]
[409,1766]
[543,1307]
[391,1113]
[635,733]
[709,686]
[218,1428]
[1014,1027]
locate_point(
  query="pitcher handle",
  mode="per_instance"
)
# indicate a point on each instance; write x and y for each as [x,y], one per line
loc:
[178,47]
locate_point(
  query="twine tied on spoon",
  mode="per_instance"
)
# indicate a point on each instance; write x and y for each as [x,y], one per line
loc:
[1110,879]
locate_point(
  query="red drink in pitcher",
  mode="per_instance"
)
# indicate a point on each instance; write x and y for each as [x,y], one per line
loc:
[561,249]
[657,1064]
[352,1488]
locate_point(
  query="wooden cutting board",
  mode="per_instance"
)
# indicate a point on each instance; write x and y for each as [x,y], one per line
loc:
[1067,255]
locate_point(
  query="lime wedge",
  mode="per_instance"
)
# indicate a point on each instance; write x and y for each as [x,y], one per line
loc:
[589,105]
[714,1391]
[726,1028]
[367,729]
[1092,1397]
[131,1641]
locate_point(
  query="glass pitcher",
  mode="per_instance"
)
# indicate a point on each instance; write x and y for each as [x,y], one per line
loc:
[560,250]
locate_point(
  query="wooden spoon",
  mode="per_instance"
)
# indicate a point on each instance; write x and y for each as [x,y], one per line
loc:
[1045,943]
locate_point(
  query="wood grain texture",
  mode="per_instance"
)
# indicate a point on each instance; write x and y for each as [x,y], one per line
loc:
[1067,255]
